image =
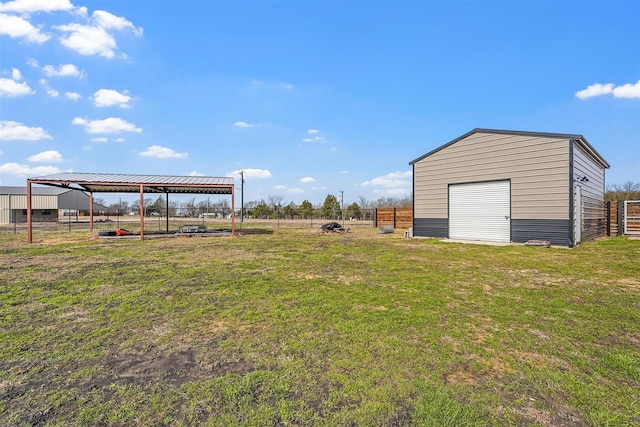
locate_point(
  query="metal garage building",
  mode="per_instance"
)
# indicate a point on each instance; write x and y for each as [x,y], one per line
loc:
[46,203]
[510,186]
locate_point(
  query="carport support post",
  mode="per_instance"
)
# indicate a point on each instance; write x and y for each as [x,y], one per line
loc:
[233,211]
[141,212]
[29,230]
[167,211]
[91,213]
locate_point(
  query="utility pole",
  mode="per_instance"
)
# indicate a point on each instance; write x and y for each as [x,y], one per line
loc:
[342,206]
[241,196]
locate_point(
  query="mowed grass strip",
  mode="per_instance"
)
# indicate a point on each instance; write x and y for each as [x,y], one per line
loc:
[298,328]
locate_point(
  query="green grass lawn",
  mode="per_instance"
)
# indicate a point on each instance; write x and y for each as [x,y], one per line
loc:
[298,328]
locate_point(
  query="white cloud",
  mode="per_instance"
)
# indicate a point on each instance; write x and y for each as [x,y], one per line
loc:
[595,90]
[16,169]
[295,190]
[16,27]
[10,87]
[109,125]
[100,139]
[106,20]
[314,139]
[307,179]
[110,97]
[65,70]
[162,153]
[50,91]
[280,187]
[244,125]
[251,173]
[196,173]
[391,180]
[32,62]
[96,38]
[87,40]
[16,74]
[313,136]
[50,156]
[74,96]
[628,90]
[30,6]
[14,131]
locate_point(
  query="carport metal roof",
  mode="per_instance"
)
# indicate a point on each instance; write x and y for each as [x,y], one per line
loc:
[125,183]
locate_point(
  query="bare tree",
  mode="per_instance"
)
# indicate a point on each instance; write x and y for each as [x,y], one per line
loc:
[628,191]
[191,207]
[275,201]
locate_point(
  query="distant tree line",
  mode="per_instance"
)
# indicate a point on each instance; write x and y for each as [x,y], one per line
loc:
[331,208]
[628,191]
[273,207]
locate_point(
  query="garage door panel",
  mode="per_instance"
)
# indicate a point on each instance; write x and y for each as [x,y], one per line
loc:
[480,211]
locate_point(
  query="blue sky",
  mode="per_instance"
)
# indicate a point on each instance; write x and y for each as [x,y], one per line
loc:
[309,98]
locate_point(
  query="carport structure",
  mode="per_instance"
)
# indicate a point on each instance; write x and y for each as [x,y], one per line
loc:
[124,183]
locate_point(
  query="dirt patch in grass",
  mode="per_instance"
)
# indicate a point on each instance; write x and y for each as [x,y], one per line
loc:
[176,368]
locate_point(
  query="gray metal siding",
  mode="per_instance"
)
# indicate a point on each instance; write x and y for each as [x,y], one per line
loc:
[37,201]
[76,200]
[557,231]
[431,227]
[4,208]
[538,167]
[593,213]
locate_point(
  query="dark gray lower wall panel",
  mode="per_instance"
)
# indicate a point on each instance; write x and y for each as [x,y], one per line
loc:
[431,227]
[557,231]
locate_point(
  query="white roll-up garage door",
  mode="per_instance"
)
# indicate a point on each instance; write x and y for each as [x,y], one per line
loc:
[480,211]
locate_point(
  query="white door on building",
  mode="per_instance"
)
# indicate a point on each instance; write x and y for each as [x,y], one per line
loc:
[577,214]
[480,211]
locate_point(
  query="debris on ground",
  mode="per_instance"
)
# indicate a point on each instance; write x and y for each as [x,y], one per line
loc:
[386,229]
[193,229]
[541,243]
[333,227]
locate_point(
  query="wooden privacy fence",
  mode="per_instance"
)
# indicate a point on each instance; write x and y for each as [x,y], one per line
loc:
[623,217]
[397,217]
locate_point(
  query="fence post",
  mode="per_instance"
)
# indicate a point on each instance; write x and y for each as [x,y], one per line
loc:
[620,217]
[375,218]
[608,207]
[395,217]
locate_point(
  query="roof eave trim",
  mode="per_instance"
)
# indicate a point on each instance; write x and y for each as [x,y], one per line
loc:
[584,143]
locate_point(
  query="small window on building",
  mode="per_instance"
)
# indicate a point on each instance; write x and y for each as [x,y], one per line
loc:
[46,212]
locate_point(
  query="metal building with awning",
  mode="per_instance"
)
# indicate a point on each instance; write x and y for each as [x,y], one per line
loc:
[125,183]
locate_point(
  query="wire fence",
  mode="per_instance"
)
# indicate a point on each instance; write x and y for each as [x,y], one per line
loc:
[79,222]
